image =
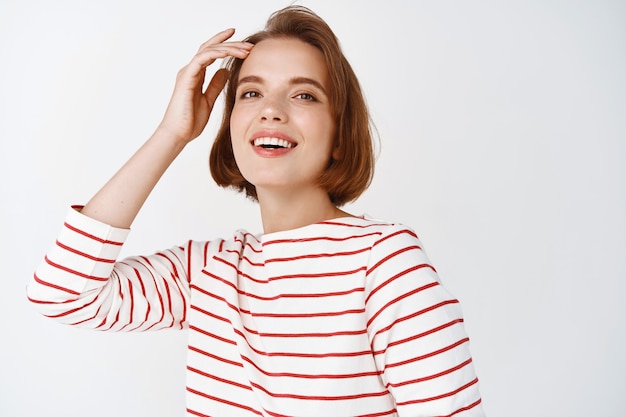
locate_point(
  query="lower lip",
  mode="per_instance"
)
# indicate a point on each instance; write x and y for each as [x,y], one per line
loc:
[270,153]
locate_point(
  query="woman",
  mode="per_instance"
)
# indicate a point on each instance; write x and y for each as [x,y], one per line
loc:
[325,313]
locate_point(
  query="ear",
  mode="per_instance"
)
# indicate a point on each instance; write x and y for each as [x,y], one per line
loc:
[336,153]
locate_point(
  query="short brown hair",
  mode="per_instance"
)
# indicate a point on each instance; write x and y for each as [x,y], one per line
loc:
[345,178]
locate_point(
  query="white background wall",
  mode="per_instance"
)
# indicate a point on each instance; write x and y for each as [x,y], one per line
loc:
[503,136]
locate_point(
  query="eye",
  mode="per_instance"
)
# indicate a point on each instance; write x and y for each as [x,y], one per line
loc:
[249,94]
[306,97]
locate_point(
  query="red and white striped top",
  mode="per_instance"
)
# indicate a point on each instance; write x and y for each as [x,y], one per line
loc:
[340,318]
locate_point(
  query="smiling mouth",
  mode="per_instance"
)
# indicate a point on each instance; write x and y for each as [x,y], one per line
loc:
[273,143]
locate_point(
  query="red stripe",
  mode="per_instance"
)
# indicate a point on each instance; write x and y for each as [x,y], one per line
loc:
[132,306]
[248,260]
[305,315]
[217,358]
[317,255]
[460,410]
[398,275]
[413,315]
[319,275]
[429,377]
[189,261]
[422,357]
[299,335]
[303,355]
[32,300]
[73,310]
[83,254]
[247,236]
[275,315]
[169,300]
[178,282]
[208,313]
[219,400]
[214,296]
[156,290]
[56,287]
[391,255]
[78,323]
[320,397]
[216,378]
[311,376]
[279,277]
[391,412]
[90,236]
[197,413]
[438,397]
[358,226]
[309,295]
[431,331]
[212,335]
[73,272]
[240,273]
[401,297]
[143,293]
[394,234]
[327,238]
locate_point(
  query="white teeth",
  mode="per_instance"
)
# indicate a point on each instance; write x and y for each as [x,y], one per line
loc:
[269,141]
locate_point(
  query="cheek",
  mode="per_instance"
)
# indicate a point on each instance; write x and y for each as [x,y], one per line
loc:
[237,128]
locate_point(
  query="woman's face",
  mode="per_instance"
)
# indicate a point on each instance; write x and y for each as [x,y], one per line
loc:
[282,127]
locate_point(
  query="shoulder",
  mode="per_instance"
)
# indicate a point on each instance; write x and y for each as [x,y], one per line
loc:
[396,246]
[385,231]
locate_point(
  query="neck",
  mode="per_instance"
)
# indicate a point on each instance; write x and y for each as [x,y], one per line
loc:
[286,211]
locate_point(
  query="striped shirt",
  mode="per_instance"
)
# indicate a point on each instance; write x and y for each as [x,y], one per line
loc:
[345,317]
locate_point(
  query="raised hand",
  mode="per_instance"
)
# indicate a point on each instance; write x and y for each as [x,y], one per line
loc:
[119,201]
[190,107]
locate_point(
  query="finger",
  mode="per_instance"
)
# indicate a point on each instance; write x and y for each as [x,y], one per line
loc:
[219,38]
[230,47]
[206,57]
[216,85]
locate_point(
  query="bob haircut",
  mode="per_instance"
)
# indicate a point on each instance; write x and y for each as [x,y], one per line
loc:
[346,177]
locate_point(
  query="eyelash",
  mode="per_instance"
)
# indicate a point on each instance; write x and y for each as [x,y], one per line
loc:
[310,97]
[248,94]
[302,96]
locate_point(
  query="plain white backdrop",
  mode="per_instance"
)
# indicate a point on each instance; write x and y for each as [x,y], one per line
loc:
[502,143]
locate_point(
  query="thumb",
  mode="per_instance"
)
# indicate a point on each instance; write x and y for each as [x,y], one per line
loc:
[216,85]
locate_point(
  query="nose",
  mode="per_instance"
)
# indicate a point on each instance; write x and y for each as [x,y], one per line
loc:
[274,110]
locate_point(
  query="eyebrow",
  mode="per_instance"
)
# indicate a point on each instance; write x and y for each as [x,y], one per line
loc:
[292,81]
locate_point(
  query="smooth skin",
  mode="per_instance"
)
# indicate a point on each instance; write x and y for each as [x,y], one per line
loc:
[186,116]
[282,92]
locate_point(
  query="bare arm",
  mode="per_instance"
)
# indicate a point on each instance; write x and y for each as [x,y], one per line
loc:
[187,114]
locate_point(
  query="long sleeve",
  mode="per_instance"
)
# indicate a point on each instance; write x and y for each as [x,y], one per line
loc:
[416,332]
[80,282]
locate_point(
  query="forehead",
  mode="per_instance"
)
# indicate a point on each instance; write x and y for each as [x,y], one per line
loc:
[285,58]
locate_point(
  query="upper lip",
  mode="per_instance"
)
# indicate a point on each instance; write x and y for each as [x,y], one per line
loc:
[272,134]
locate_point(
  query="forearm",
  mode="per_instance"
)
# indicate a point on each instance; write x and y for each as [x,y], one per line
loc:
[80,282]
[119,201]
[121,198]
